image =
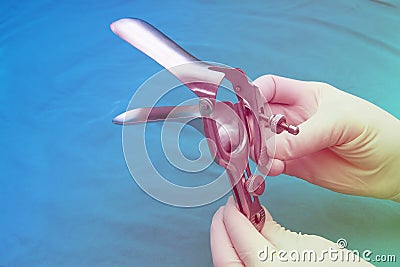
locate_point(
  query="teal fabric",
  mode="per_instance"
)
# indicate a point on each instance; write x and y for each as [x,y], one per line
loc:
[66,196]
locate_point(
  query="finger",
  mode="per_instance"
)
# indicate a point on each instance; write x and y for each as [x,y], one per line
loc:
[294,114]
[291,241]
[223,252]
[282,90]
[279,237]
[316,133]
[244,236]
[275,168]
[275,108]
[318,168]
[287,240]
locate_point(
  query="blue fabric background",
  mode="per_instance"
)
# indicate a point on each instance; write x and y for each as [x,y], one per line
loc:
[66,196]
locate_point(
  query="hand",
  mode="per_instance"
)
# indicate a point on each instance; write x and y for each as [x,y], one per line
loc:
[235,242]
[345,144]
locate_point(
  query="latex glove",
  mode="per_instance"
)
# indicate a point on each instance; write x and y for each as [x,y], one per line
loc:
[345,144]
[235,242]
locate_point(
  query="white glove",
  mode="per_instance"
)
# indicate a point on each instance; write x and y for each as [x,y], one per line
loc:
[345,144]
[235,242]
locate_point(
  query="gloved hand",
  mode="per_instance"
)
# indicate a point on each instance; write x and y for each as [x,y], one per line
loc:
[345,144]
[235,242]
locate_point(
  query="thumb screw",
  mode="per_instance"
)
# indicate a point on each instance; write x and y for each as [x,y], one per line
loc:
[277,123]
[290,128]
[255,185]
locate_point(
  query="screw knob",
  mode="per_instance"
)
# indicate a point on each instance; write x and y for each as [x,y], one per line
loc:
[205,107]
[255,185]
[277,124]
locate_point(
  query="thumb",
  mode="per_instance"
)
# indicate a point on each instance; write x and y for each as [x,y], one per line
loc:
[285,239]
[316,133]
